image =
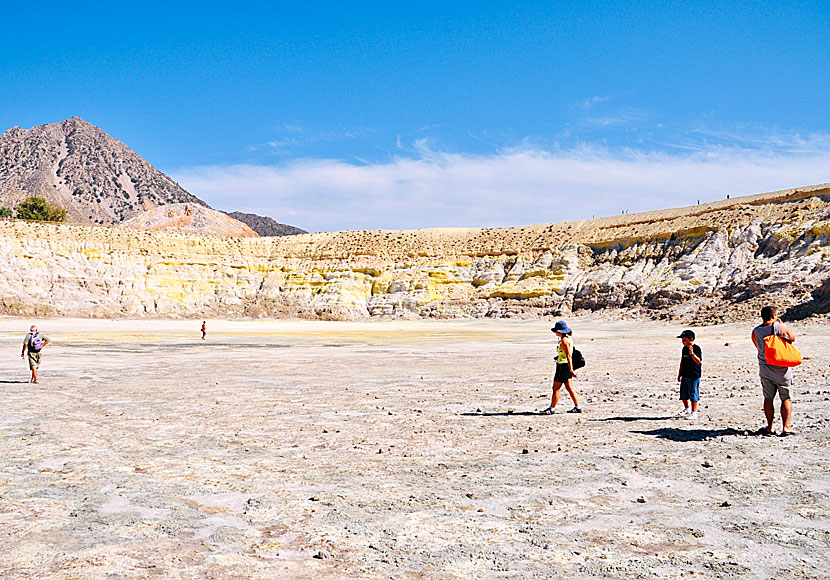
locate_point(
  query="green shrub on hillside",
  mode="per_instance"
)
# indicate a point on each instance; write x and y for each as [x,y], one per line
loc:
[5,212]
[37,208]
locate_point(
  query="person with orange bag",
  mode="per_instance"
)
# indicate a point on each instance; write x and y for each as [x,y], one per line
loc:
[774,379]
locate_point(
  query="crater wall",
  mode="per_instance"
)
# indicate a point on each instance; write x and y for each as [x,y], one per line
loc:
[716,261]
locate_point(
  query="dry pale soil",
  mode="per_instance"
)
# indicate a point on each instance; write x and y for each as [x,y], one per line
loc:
[402,450]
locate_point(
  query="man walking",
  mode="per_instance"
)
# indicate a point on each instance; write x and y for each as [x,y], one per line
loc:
[34,343]
[774,379]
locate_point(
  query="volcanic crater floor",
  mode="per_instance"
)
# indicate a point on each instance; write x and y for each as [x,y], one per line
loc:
[403,449]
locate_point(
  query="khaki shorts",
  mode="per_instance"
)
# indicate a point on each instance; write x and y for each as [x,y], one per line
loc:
[771,387]
[34,359]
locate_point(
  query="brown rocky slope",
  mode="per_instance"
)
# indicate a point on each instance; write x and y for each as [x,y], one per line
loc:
[264,225]
[707,263]
[95,177]
[192,218]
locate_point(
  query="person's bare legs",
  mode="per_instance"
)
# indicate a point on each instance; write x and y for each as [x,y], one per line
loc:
[769,413]
[571,392]
[554,398]
[786,413]
[34,375]
[694,406]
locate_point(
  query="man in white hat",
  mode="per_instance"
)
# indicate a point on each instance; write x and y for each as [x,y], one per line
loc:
[34,343]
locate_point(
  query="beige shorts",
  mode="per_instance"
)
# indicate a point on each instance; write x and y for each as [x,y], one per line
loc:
[34,359]
[771,387]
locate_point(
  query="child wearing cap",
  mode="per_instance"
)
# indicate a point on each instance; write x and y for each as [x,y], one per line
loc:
[688,376]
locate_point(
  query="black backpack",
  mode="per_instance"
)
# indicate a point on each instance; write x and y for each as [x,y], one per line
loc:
[577,360]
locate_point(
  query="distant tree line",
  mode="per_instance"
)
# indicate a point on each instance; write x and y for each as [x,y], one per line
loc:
[35,208]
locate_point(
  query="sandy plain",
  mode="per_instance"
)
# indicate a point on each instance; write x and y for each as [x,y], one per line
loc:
[406,449]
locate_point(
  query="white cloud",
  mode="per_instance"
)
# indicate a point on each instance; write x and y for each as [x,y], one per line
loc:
[619,118]
[519,186]
[297,137]
[592,101]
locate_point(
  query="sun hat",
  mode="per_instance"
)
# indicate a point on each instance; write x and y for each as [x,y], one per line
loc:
[561,326]
[687,334]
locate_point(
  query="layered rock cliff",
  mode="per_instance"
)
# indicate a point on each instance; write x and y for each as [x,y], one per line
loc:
[708,263]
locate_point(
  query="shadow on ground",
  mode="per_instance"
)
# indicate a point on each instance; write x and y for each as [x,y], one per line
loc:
[503,414]
[819,304]
[630,419]
[676,434]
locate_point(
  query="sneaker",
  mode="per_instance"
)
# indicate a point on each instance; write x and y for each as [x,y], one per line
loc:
[575,410]
[692,416]
[683,413]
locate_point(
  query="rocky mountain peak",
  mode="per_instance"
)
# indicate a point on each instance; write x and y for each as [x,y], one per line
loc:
[76,122]
[97,178]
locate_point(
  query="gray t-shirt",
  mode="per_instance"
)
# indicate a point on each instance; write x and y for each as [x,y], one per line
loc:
[766,371]
[28,340]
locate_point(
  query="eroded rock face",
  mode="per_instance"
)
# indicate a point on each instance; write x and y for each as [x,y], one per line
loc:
[190,218]
[709,263]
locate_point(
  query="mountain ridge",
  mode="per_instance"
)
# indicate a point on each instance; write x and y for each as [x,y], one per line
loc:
[94,176]
[264,225]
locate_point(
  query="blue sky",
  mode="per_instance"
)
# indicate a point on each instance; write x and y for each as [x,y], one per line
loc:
[379,115]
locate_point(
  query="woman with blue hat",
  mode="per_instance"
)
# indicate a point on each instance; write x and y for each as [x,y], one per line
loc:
[564,368]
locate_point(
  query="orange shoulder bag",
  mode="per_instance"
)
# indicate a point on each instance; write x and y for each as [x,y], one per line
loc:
[779,352]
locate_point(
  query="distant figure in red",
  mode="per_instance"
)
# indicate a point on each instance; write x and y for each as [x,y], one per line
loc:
[204,332]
